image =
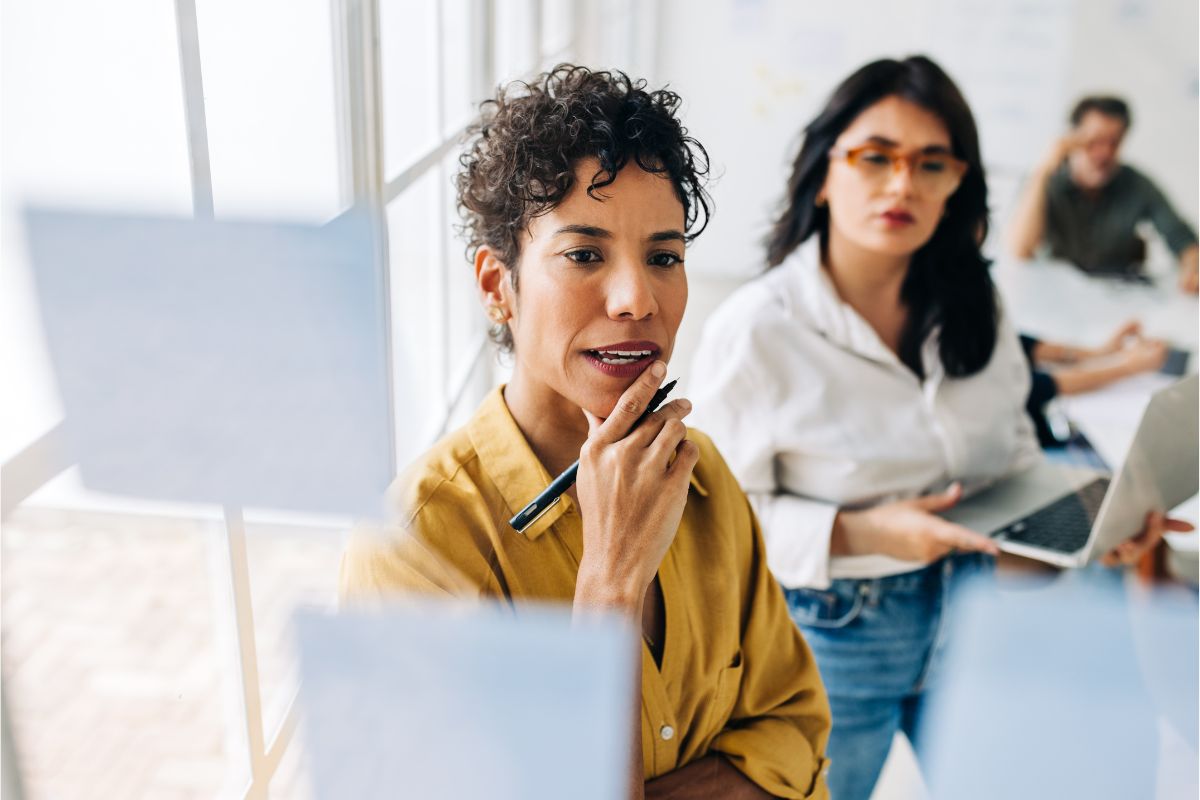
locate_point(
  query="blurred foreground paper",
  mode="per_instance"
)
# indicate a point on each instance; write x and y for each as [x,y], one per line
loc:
[1076,690]
[454,702]
[218,362]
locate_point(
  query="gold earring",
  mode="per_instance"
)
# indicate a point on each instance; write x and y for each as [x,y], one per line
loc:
[819,202]
[497,314]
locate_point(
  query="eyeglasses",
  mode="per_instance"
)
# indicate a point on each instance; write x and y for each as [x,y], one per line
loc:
[934,173]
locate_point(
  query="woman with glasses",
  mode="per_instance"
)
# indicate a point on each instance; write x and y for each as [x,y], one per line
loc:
[861,383]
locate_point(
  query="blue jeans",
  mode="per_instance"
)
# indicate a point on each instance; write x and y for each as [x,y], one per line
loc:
[878,644]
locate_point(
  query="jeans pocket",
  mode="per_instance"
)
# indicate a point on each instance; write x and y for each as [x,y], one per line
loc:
[835,607]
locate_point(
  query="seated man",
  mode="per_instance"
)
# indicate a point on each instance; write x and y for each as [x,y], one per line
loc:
[1084,203]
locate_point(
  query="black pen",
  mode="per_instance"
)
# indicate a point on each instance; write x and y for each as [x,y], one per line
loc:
[553,493]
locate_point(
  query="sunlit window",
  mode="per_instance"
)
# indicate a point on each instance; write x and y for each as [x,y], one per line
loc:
[146,645]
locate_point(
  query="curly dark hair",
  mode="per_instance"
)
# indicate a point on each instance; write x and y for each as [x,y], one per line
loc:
[521,155]
[948,283]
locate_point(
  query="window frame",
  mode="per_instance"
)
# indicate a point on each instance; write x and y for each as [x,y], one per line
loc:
[363,186]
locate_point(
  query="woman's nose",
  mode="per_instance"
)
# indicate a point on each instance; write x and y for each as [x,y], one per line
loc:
[630,293]
[901,179]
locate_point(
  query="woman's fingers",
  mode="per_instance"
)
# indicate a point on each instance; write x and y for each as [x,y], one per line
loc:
[667,441]
[647,433]
[1130,551]
[631,405]
[956,537]
[687,455]
[632,484]
[941,501]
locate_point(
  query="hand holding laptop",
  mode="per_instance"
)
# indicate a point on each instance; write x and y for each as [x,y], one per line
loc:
[909,530]
[1130,551]
[1072,517]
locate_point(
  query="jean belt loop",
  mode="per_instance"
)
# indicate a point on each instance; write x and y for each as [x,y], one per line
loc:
[867,589]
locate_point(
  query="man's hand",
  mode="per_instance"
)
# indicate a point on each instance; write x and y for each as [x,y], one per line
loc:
[1060,148]
[1028,221]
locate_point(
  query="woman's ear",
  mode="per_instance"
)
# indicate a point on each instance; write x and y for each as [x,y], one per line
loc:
[495,288]
[821,199]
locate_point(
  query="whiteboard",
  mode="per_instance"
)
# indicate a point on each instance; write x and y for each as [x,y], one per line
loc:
[753,72]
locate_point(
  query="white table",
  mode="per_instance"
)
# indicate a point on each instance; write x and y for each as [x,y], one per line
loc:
[1056,301]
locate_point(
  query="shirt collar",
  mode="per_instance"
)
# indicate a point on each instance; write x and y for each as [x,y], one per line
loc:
[510,463]
[822,308]
[819,303]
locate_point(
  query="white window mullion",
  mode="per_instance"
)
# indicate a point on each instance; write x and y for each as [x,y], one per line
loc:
[33,467]
[259,786]
[11,784]
[535,48]
[485,67]
[238,576]
[461,382]
[282,737]
[193,106]
[231,574]
[443,282]
[356,48]
[357,26]
[412,173]
[344,105]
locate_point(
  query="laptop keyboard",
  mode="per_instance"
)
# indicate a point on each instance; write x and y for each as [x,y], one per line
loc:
[1064,525]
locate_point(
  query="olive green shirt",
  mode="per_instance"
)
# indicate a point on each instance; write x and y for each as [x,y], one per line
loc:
[736,677]
[1095,230]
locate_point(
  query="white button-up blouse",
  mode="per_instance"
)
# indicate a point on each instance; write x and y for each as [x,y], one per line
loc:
[814,413]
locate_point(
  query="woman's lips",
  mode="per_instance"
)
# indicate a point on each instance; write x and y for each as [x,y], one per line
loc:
[897,219]
[623,360]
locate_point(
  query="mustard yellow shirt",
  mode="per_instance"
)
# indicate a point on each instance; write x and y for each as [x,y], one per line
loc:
[736,676]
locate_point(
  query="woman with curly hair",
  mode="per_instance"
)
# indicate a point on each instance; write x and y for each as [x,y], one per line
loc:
[579,193]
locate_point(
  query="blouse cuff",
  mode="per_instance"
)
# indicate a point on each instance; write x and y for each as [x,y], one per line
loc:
[797,533]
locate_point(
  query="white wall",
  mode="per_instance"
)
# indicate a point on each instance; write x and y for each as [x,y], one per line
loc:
[752,72]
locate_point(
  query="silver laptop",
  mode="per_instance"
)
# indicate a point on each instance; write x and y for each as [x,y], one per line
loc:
[1070,517]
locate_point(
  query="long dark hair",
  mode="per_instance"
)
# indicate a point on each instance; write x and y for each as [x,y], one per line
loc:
[948,282]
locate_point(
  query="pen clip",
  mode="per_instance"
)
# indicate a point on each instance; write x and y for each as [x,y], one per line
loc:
[520,526]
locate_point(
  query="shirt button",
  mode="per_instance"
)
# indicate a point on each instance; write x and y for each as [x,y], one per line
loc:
[666,732]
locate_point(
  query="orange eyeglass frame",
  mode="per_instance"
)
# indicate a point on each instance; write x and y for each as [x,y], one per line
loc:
[851,155]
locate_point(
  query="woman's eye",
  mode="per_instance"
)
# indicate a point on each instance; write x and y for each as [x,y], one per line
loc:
[875,158]
[933,165]
[583,256]
[665,259]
